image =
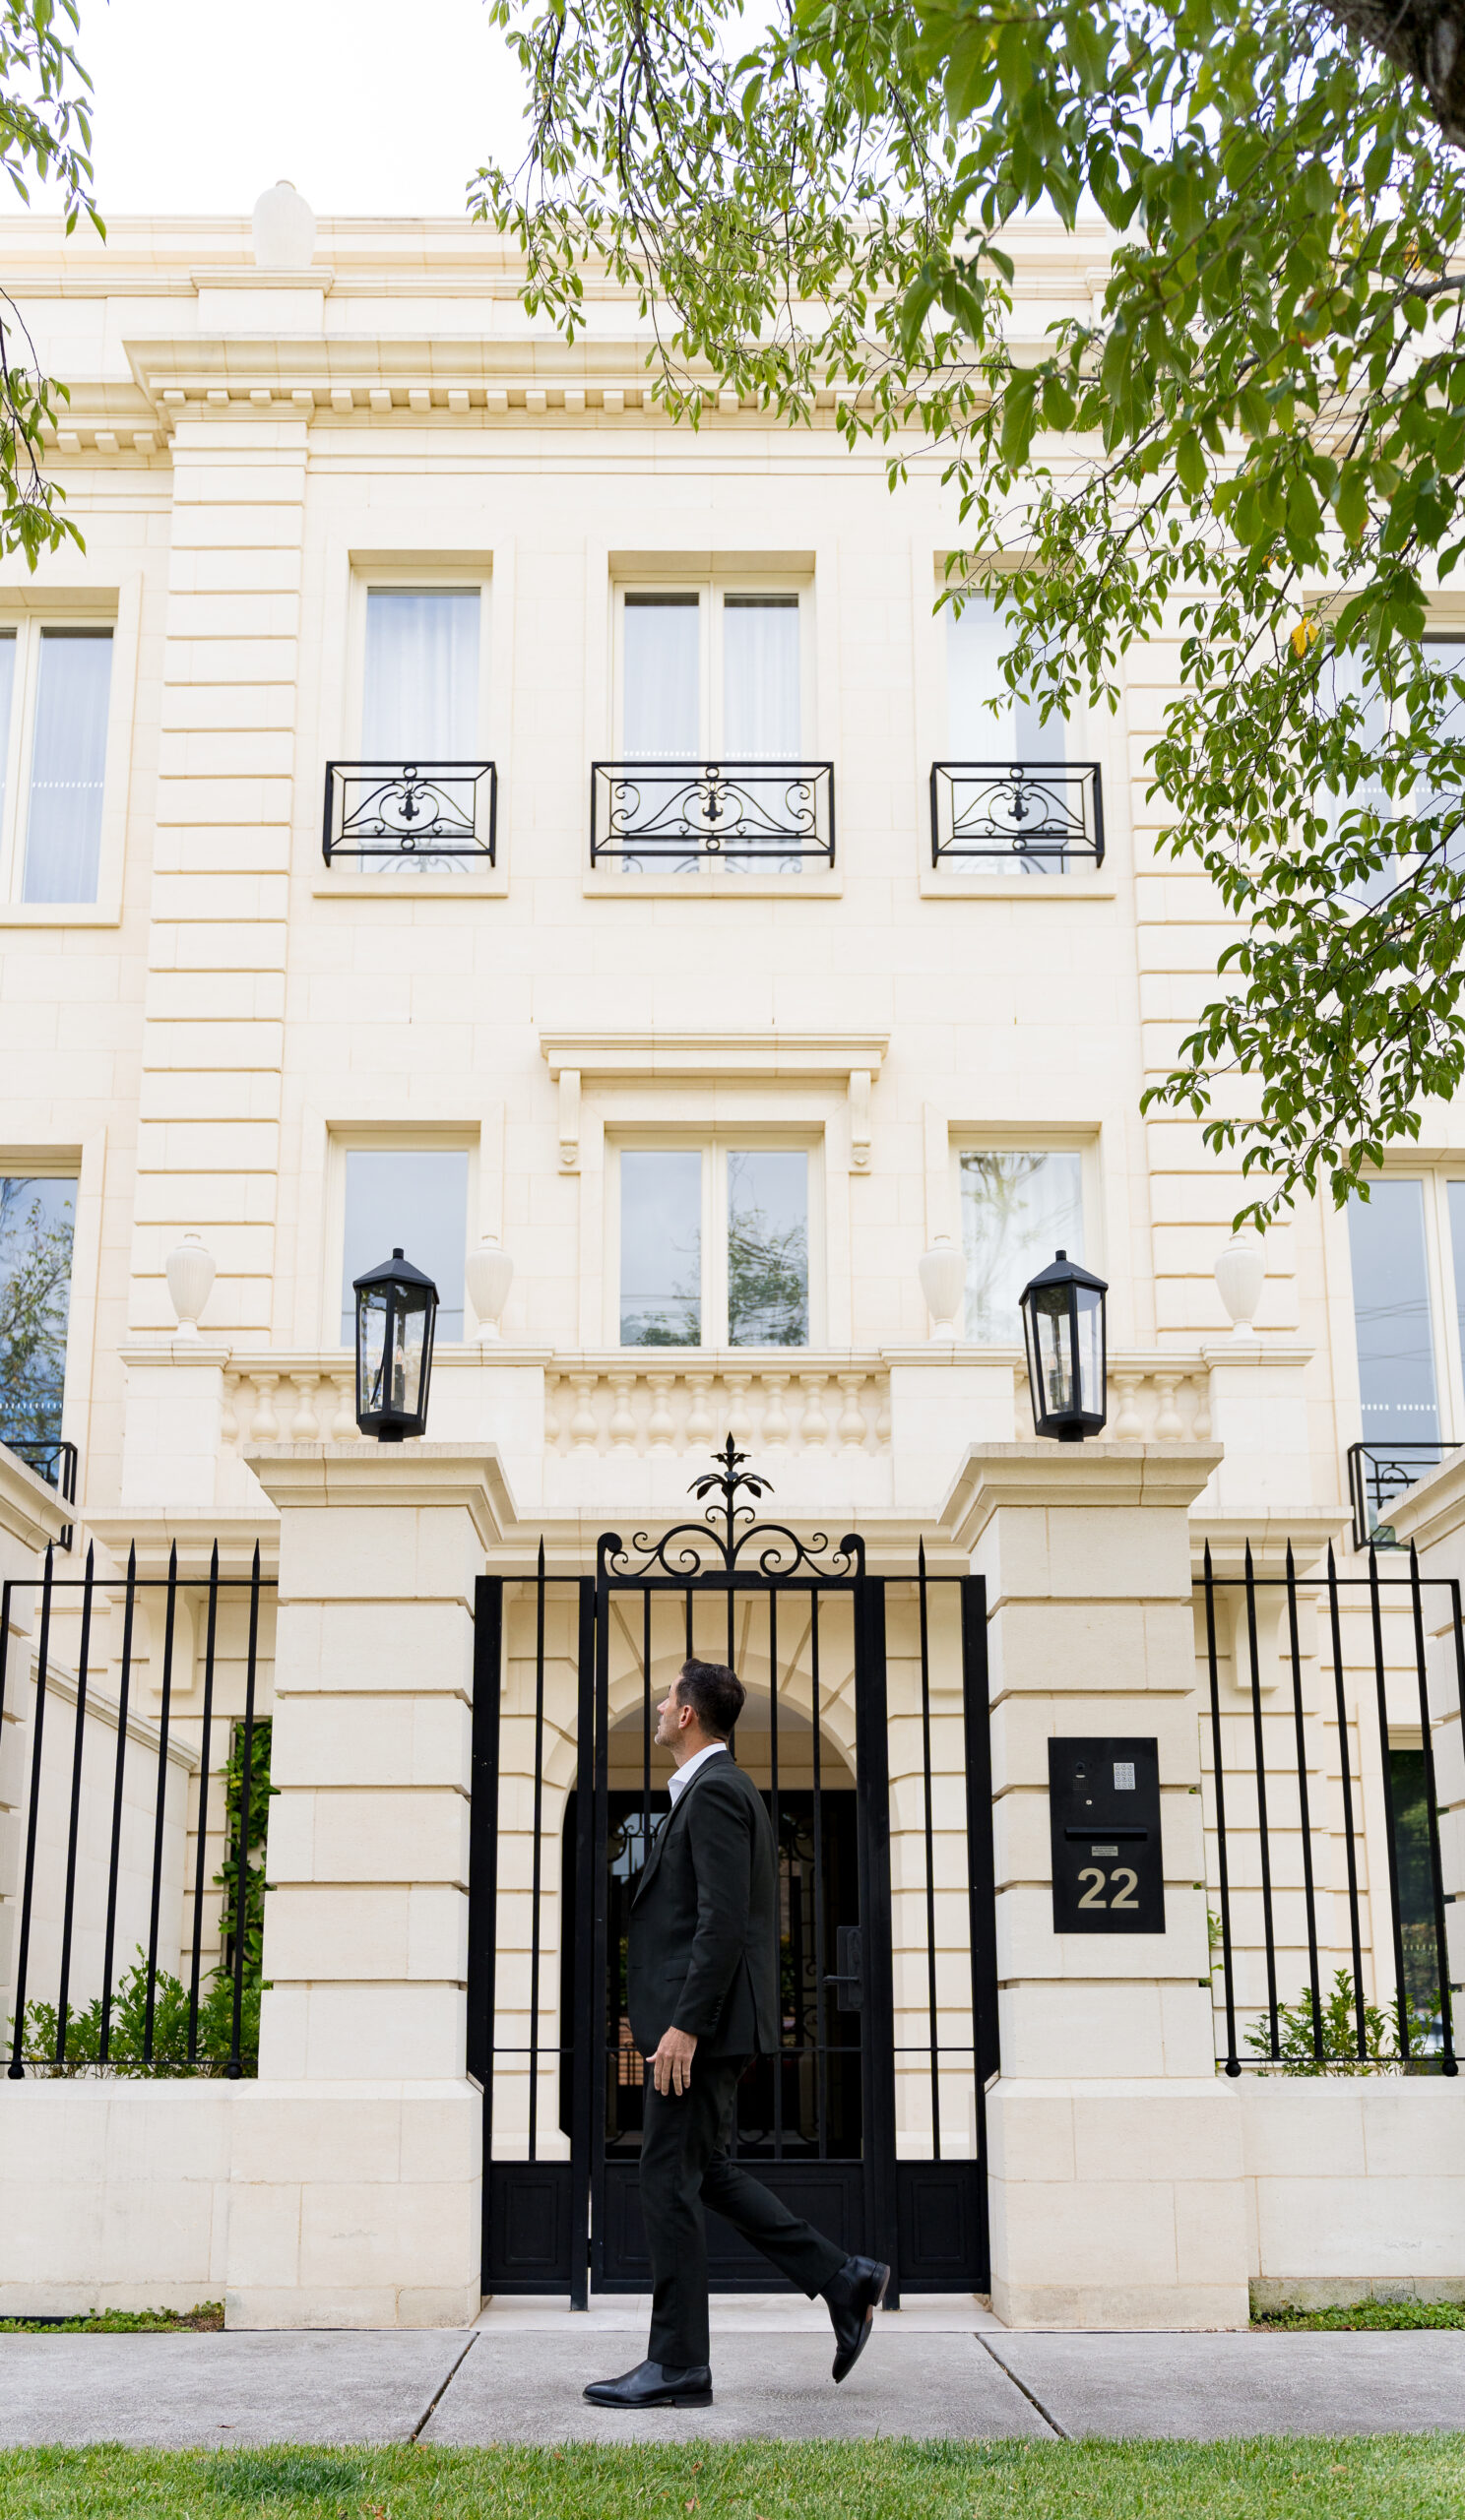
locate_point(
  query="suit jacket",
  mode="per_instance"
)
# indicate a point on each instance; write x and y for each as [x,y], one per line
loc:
[703,1951]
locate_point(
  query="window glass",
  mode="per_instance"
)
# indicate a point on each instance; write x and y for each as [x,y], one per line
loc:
[760,678]
[1017,1211]
[1455,1194]
[661,670]
[977,640]
[35,1231]
[421,701]
[68,757]
[7,645]
[660,1248]
[416,1197]
[1391,1313]
[767,1250]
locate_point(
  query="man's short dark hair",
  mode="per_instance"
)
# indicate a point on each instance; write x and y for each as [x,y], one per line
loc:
[714,1694]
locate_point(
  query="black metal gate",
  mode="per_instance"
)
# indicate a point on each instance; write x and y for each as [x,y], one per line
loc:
[870,2119]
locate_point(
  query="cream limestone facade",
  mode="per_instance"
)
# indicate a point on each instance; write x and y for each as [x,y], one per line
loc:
[253,445]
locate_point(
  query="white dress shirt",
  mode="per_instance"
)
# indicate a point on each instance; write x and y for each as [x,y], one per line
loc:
[680,1778]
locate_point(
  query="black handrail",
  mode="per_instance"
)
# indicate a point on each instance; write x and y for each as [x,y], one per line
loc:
[1031,815]
[684,815]
[406,813]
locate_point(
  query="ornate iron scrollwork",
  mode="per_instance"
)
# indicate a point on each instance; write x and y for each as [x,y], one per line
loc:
[744,1544]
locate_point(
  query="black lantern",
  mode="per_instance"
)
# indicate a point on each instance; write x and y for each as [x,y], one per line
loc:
[1062,1310]
[395,1316]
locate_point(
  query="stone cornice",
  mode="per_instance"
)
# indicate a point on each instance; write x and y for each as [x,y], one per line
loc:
[1048,1476]
[1434,1509]
[31,1511]
[417,1474]
[770,1052]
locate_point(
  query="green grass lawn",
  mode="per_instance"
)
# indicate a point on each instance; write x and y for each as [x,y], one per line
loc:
[1395,2477]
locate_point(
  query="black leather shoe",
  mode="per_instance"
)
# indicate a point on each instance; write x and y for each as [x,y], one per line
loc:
[653,2384]
[853,2297]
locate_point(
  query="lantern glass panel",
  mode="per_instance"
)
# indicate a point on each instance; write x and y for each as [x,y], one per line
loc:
[1089,1348]
[1055,1359]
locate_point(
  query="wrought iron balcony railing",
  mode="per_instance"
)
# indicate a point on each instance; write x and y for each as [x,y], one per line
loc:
[1377,1472]
[1042,817]
[679,816]
[431,817]
[54,1462]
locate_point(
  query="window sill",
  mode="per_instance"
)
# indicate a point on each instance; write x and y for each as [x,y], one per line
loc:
[491,885]
[61,914]
[706,887]
[937,883]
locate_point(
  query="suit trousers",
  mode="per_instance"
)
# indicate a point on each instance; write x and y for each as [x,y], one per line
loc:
[684,2165]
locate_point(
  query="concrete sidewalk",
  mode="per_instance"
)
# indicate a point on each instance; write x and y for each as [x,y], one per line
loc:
[932,2371]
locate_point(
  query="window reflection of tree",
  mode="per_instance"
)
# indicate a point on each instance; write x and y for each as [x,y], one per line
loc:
[767,1270]
[35,1240]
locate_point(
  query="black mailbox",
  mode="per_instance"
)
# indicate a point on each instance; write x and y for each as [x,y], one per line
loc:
[1104,1800]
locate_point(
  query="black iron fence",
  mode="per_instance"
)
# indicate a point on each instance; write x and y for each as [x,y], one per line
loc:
[1378,1475]
[679,816]
[434,816]
[1037,818]
[102,1786]
[1334,1806]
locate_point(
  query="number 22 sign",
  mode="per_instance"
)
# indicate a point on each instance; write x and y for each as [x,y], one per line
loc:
[1107,1873]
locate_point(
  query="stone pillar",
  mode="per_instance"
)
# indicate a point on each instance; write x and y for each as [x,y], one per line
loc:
[1115,2148]
[361,2204]
[170,1426]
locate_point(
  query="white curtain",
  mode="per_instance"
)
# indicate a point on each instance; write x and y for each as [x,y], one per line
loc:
[661,679]
[421,689]
[977,640]
[67,759]
[760,678]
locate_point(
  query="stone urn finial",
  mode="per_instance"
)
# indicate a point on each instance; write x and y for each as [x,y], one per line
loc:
[490,1274]
[1240,1272]
[190,1279]
[283,225]
[942,1272]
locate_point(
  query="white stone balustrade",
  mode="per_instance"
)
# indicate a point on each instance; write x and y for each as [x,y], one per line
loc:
[664,1402]
[656,1403]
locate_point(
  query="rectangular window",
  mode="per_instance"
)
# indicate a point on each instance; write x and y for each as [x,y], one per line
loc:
[412,1198]
[978,637]
[710,674]
[1017,1211]
[661,667]
[36,1217]
[767,1249]
[1396,1350]
[70,674]
[660,1248]
[760,676]
[420,696]
[714,1247]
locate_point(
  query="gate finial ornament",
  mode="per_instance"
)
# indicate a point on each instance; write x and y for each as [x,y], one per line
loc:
[730,1479]
[778,1552]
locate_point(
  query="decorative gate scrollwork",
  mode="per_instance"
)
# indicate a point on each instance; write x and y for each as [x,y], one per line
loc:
[870,2119]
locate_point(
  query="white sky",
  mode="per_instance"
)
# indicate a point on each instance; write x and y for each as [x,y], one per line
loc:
[366,105]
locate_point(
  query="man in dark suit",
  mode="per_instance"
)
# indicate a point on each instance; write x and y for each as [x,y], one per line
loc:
[704,2000]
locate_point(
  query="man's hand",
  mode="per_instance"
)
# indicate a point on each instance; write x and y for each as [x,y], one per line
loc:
[671,2065]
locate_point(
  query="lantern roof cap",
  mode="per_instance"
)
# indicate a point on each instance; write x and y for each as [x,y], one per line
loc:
[399,1271]
[1063,1272]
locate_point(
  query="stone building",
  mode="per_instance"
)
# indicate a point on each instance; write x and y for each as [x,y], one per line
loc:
[448,806]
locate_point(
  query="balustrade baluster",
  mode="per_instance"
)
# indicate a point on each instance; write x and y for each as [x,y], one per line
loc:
[1127,1424]
[304,1428]
[264,1425]
[661,1427]
[739,1423]
[344,1426]
[622,1416]
[814,1426]
[775,1416]
[1168,1426]
[852,1425]
[700,1426]
[584,1425]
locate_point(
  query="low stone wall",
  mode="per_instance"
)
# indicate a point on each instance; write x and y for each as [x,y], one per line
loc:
[296,2204]
[1355,2187]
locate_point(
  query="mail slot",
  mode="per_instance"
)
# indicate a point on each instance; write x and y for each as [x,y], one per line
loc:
[1104,1803]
